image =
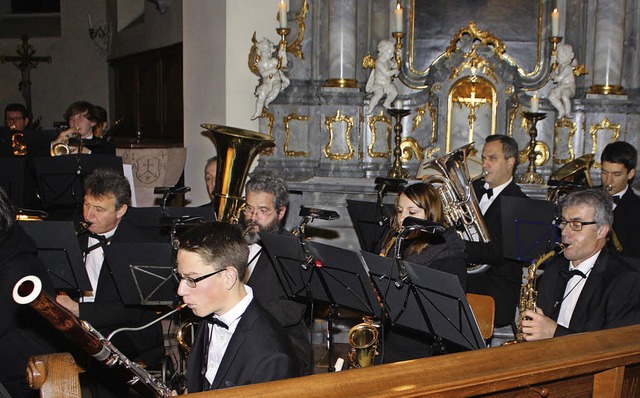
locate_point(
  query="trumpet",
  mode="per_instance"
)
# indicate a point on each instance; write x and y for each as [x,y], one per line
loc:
[73,141]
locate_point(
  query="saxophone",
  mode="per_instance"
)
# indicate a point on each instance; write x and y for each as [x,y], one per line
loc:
[528,292]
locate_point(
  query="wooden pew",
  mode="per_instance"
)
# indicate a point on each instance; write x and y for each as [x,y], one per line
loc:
[599,364]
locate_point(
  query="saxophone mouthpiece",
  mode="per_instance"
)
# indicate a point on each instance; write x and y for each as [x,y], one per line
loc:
[609,187]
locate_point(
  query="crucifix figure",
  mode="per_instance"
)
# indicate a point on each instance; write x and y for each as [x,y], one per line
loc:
[25,61]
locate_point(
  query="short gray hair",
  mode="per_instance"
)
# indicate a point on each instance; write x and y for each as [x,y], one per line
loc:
[268,182]
[597,198]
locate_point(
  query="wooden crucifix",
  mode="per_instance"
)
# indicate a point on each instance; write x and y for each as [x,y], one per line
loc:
[25,61]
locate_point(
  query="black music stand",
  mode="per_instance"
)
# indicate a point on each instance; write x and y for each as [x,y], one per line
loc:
[155,218]
[143,272]
[371,226]
[59,251]
[12,173]
[60,177]
[527,228]
[425,300]
[324,273]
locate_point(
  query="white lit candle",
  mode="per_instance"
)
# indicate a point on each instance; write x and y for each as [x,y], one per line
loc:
[555,23]
[90,21]
[534,104]
[398,17]
[282,14]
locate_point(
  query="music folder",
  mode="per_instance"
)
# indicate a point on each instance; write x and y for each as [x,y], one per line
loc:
[59,251]
[429,301]
[143,272]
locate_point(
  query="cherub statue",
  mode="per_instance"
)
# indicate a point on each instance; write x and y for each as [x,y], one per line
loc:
[381,78]
[565,81]
[269,68]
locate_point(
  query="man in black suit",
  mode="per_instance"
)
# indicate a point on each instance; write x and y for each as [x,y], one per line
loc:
[238,342]
[107,196]
[619,161]
[591,288]
[83,118]
[267,198]
[503,279]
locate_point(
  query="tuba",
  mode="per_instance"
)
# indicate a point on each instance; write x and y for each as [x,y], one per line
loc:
[459,202]
[363,339]
[236,148]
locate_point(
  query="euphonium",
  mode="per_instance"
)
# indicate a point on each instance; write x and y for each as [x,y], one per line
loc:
[459,202]
[528,291]
[236,150]
[363,339]
[18,145]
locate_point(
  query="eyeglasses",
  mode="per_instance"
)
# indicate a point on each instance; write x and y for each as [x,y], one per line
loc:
[261,212]
[573,224]
[191,282]
[13,119]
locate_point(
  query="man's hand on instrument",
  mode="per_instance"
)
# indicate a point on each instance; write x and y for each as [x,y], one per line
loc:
[536,326]
[68,303]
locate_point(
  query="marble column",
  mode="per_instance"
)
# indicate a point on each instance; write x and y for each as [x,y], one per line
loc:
[609,47]
[342,43]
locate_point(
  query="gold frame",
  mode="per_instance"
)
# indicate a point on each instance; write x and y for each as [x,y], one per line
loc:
[287,130]
[329,121]
[605,124]
[451,101]
[573,126]
[382,118]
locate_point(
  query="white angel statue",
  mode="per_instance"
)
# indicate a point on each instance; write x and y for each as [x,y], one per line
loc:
[565,81]
[269,68]
[380,81]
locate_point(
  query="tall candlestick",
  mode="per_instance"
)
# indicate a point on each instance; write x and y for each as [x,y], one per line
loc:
[555,23]
[398,17]
[534,104]
[282,14]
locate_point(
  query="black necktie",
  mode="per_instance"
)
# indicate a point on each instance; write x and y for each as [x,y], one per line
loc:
[488,191]
[566,275]
[616,199]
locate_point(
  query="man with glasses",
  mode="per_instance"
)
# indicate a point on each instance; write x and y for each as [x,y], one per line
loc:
[83,118]
[16,117]
[238,342]
[267,198]
[619,161]
[590,287]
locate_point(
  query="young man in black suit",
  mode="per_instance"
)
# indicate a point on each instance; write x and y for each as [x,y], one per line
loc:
[107,197]
[238,342]
[267,198]
[619,161]
[83,118]
[591,287]
[503,279]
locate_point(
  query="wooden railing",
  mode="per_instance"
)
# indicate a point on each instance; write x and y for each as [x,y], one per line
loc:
[598,364]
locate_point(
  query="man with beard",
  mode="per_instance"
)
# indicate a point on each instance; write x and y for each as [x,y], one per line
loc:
[591,287]
[267,198]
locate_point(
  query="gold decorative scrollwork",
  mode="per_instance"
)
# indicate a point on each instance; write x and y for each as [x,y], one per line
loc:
[295,47]
[542,154]
[512,118]
[605,124]
[485,38]
[329,122]
[286,120]
[270,121]
[410,148]
[564,123]
[381,118]
[417,119]
[473,62]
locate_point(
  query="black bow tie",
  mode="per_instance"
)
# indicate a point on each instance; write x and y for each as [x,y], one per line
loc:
[102,240]
[570,274]
[488,191]
[212,320]
[616,199]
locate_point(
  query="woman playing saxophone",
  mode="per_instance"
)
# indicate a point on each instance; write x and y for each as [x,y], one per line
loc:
[443,252]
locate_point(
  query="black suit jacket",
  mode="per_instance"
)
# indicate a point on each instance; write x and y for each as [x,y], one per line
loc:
[503,279]
[268,291]
[610,297]
[258,351]
[626,223]
[108,311]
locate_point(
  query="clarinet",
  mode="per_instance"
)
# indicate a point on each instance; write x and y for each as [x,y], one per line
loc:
[28,290]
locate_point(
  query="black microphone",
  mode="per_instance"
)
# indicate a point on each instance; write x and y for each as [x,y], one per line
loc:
[328,215]
[394,185]
[423,225]
[170,190]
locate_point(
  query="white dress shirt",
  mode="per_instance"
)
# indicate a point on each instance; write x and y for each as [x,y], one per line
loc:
[573,290]
[485,202]
[93,263]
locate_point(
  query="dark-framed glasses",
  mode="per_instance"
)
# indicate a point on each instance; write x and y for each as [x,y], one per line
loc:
[191,282]
[575,225]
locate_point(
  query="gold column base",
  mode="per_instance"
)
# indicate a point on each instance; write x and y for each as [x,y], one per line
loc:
[350,83]
[531,178]
[606,89]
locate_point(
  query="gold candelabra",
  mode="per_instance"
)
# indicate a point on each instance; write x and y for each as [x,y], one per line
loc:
[532,176]
[397,171]
[555,40]
[398,36]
